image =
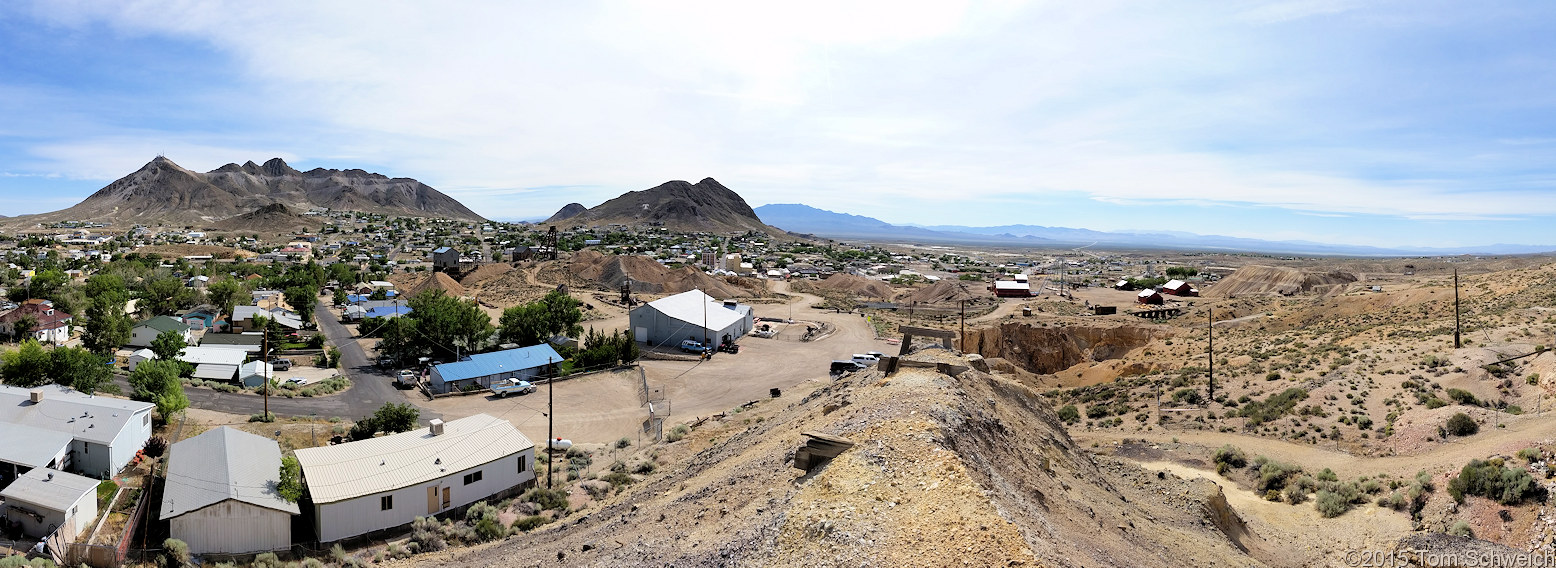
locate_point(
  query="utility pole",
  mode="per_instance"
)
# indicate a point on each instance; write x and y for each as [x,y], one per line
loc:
[964,324]
[550,419]
[1211,315]
[264,350]
[1457,326]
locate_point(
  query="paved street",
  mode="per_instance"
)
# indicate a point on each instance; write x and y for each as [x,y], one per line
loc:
[370,388]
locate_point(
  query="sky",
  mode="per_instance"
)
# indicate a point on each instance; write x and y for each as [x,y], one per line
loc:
[1382,123]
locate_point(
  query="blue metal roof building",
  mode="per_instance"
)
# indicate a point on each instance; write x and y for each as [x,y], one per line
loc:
[481,370]
[388,311]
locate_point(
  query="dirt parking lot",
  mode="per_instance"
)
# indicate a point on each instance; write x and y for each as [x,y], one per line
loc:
[604,407]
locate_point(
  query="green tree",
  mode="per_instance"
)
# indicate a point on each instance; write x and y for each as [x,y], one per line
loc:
[339,296]
[107,326]
[27,366]
[302,299]
[395,418]
[168,345]
[157,382]
[378,295]
[78,368]
[23,327]
[45,283]
[224,294]
[535,322]
[290,486]
[445,325]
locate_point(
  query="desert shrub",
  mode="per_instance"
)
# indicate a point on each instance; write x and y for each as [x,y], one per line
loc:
[1277,405]
[1492,480]
[478,510]
[1331,504]
[484,518]
[597,492]
[262,417]
[1435,402]
[1098,410]
[1273,474]
[338,552]
[266,560]
[546,498]
[1189,396]
[1364,422]
[1462,425]
[427,535]
[617,478]
[623,443]
[677,433]
[1069,414]
[1529,454]
[529,523]
[1462,396]
[1328,475]
[1295,494]
[349,561]
[644,468]
[1231,456]
[175,552]
[1461,528]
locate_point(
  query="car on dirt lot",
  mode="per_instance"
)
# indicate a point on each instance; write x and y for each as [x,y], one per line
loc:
[693,346]
[281,364]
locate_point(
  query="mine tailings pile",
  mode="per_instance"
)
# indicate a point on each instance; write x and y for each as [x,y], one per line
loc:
[1048,350]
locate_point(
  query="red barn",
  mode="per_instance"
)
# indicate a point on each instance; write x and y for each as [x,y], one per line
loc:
[1149,297]
[1179,288]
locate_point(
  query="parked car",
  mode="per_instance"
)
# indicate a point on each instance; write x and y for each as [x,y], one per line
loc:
[299,381]
[865,360]
[280,364]
[693,346]
[845,366]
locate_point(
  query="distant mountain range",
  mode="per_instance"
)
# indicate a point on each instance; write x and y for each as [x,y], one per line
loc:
[164,192]
[676,205]
[805,219]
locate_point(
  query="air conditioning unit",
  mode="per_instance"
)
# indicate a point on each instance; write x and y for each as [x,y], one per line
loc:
[436,427]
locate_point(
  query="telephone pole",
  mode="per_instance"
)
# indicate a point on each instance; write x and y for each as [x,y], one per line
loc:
[550,419]
[1457,326]
[264,352]
[1211,315]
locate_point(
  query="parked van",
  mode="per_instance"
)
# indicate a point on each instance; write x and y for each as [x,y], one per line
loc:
[845,366]
[866,360]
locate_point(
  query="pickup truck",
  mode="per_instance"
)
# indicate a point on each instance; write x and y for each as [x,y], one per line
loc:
[406,377]
[693,346]
[512,386]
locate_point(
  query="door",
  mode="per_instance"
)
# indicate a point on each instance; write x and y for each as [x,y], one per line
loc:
[642,334]
[432,500]
[446,497]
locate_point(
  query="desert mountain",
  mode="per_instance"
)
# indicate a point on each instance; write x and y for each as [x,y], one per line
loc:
[704,206]
[567,212]
[270,218]
[162,191]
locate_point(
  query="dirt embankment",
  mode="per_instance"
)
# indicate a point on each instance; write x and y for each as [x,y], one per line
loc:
[1263,280]
[1050,350]
[948,468]
[849,284]
[944,292]
[648,276]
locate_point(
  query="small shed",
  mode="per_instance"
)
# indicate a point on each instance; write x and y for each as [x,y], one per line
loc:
[1149,297]
[141,355]
[1179,288]
[253,373]
[221,494]
[1012,288]
[45,500]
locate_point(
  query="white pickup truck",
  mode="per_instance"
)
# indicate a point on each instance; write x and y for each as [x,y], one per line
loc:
[512,386]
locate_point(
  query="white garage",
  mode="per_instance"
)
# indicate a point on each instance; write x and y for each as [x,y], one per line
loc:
[221,496]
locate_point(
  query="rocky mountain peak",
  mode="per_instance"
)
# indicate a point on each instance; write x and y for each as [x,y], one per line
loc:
[276,167]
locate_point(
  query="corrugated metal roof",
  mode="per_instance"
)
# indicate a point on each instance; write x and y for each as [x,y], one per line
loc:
[95,419]
[496,362]
[693,307]
[221,464]
[1011,285]
[340,472]
[217,355]
[216,371]
[51,489]
[30,447]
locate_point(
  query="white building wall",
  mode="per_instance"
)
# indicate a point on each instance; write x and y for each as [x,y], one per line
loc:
[130,440]
[233,527]
[345,519]
[70,524]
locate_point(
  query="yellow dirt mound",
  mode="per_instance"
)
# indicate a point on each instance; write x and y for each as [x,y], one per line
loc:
[942,292]
[647,275]
[857,285]
[437,281]
[1263,280]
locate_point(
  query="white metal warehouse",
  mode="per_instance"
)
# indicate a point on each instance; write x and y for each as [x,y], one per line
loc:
[385,482]
[690,315]
[221,494]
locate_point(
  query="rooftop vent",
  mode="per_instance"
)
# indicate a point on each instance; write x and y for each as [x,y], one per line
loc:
[436,427]
[37,395]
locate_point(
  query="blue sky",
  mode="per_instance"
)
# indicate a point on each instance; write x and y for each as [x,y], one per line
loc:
[1379,123]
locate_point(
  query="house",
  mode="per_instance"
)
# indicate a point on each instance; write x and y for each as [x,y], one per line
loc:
[1149,296]
[204,318]
[444,258]
[48,324]
[481,370]
[243,318]
[27,448]
[387,312]
[105,432]
[250,342]
[690,315]
[386,482]
[1123,285]
[253,373]
[142,354]
[43,501]
[214,363]
[143,332]
[1012,289]
[221,497]
[1179,288]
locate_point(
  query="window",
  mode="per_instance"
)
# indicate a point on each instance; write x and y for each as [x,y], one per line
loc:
[472,477]
[146,420]
[522,466]
[386,503]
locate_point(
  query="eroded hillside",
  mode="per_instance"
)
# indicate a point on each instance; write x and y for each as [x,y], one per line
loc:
[951,466]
